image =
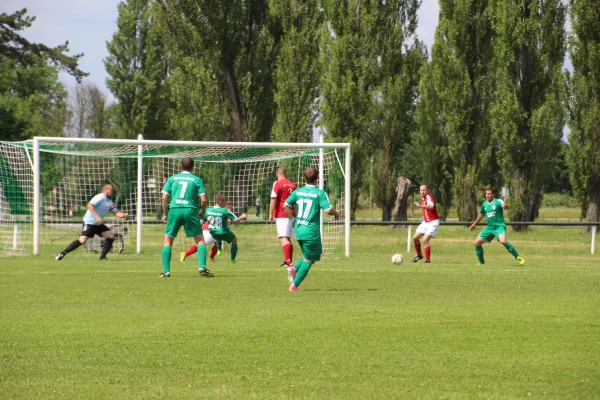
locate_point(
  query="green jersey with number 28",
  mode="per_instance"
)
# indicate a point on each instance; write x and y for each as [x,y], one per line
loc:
[184,189]
[309,201]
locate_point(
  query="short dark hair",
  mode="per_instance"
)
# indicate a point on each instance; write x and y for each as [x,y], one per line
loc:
[490,187]
[187,164]
[220,198]
[311,174]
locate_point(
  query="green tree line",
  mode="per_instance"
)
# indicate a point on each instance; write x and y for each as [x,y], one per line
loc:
[487,104]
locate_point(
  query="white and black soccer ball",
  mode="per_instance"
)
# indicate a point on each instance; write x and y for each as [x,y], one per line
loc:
[397,259]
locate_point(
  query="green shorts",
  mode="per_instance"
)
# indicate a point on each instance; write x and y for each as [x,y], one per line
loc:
[227,235]
[186,217]
[311,249]
[489,233]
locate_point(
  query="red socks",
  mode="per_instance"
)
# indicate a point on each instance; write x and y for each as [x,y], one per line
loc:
[193,248]
[213,251]
[418,247]
[288,250]
[428,253]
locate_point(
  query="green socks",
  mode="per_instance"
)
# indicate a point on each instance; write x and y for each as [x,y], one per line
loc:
[202,256]
[479,252]
[234,248]
[166,259]
[301,272]
[510,248]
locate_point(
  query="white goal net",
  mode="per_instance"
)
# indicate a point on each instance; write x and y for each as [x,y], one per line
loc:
[72,171]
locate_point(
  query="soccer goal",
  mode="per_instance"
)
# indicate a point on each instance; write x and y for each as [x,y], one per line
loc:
[46,183]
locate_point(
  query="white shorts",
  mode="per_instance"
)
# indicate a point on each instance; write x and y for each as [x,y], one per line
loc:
[429,228]
[208,238]
[285,227]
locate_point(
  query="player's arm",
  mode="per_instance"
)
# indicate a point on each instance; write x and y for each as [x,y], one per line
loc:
[273,203]
[202,205]
[165,206]
[504,204]
[92,209]
[120,214]
[474,224]
[240,219]
[287,208]
[333,212]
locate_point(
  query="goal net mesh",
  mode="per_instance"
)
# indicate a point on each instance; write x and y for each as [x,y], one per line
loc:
[71,174]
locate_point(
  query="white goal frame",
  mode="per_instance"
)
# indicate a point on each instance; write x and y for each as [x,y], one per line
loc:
[140,142]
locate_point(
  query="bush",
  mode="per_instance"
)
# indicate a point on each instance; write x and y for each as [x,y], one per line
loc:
[553,200]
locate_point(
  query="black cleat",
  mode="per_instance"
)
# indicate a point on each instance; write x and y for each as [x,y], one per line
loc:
[60,256]
[427,261]
[165,275]
[284,264]
[205,272]
[103,259]
[417,258]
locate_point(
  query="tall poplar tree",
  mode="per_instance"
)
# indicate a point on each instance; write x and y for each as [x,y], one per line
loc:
[233,42]
[298,68]
[432,143]
[399,57]
[583,154]
[461,56]
[348,55]
[528,110]
[137,66]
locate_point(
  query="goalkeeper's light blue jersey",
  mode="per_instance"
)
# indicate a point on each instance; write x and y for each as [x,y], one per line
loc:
[103,206]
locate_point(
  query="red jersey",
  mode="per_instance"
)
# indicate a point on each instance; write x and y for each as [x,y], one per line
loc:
[429,215]
[281,191]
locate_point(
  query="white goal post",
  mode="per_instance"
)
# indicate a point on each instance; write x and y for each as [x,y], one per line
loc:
[253,161]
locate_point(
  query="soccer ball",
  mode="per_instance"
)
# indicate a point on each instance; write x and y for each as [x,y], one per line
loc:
[397,259]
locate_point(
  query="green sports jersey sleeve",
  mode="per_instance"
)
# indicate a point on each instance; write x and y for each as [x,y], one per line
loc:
[292,199]
[324,201]
[167,188]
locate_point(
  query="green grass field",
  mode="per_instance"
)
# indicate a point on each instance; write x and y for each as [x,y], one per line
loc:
[359,328]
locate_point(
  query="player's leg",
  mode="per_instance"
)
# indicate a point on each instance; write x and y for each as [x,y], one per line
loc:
[285,231]
[431,231]
[420,232]
[312,253]
[234,248]
[85,234]
[510,248]
[478,247]
[109,238]
[174,221]
[218,246]
[193,228]
[427,248]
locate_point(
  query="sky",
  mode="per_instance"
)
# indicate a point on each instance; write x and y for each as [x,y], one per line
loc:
[89,24]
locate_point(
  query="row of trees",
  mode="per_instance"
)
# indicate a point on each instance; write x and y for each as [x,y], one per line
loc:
[488,105]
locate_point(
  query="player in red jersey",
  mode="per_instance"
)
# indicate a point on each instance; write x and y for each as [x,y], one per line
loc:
[429,227]
[282,188]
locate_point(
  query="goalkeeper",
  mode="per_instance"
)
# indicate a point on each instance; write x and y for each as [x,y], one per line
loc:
[98,207]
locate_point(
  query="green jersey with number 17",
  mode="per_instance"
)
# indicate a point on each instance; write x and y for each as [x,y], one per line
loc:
[494,213]
[184,189]
[308,201]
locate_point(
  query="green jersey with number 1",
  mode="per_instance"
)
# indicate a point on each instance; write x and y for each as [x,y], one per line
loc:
[494,213]
[184,189]
[308,202]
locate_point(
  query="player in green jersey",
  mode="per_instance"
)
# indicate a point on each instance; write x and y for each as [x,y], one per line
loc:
[218,219]
[184,189]
[308,202]
[493,208]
